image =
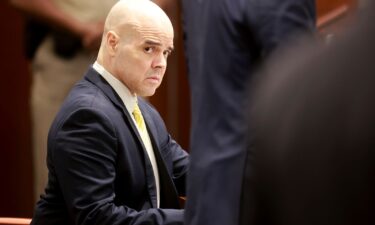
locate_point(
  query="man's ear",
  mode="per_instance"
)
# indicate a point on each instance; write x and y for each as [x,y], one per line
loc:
[112,42]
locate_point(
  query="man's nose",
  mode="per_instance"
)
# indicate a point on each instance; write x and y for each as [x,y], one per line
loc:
[160,61]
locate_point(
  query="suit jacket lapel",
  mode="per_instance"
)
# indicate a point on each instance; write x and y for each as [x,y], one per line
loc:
[94,77]
[168,193]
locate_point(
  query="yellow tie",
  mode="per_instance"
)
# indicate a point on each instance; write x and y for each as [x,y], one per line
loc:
[139,118]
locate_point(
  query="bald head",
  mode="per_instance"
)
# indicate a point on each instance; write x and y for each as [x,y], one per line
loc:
[127,16]
[137,39]
[133,12]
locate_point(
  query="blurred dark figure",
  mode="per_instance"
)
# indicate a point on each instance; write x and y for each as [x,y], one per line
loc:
[312,160]
[225,41]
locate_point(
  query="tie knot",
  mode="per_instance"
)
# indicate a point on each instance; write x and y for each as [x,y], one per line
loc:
[138,118]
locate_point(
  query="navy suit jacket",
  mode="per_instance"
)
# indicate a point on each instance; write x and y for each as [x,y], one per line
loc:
[225,41]
[99,172]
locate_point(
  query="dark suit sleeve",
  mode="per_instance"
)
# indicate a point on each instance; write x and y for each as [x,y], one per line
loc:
[175,158]
[275,23]
[179,164]
[84,156]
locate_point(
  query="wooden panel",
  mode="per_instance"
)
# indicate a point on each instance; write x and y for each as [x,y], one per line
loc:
[334,15]
[323,6]
[16,187]
[14,221]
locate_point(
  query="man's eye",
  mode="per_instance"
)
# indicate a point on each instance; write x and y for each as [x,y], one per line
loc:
[148,49]
[166,54]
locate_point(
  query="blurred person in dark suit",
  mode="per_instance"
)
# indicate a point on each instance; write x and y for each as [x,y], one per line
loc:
[312,158]
[110,157]
[61,41]
[225,41]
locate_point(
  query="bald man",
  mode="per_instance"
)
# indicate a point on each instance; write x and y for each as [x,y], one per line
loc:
[110,157]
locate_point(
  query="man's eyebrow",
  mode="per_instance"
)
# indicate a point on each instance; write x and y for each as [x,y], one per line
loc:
[150,42]
[171,48]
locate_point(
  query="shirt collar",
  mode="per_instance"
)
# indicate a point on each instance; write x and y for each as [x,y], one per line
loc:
[127,98]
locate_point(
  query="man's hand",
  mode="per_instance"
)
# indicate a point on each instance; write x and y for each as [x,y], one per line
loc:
[91,35]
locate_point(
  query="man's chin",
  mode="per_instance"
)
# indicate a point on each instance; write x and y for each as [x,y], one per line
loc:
[147,93]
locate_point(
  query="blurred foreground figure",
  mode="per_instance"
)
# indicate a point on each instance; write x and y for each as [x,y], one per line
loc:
[225,42]
[312,160]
